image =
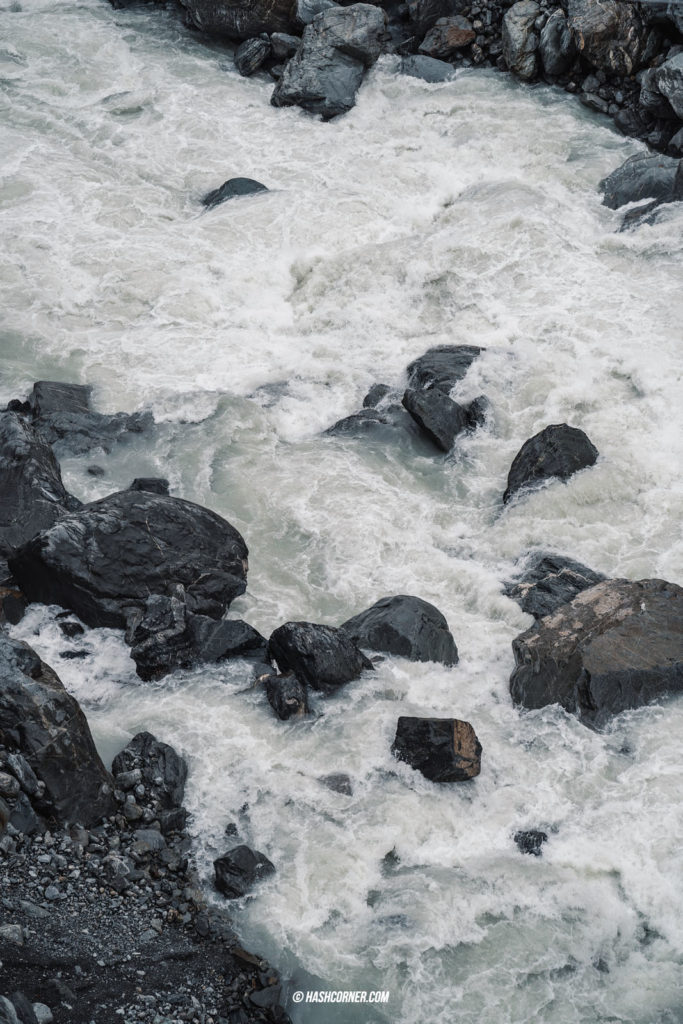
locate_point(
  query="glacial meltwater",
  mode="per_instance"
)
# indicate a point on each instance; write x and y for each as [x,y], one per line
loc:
[466,212]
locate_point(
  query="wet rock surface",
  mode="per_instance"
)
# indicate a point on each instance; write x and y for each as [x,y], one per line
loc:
[322,657]
[558,451]
[549,581]
[405,626]
[239,870]
[232,189]
[442,749]
[286,695]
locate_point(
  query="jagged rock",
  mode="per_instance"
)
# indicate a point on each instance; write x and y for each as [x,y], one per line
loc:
[643,176]
[669,79]
[43,723]
[406,626]
[22,772]
[322,657]
[284,46]
[556,48]
[252,55]
[152,484]
[425,13]
[304,11]
[240,19]
[326,71]
[550,581]
[558,451]
[164,772]
[437,415]
[609,34]
[286,695]
[478,411]
[33,495]
[63,416]
[428,69]
[231,189]
[520,40]
[443,749]
[239,870]
[617,645]
[531,841]
[447,36]
[651,101]
[441,367]
[9,786]
[104,560]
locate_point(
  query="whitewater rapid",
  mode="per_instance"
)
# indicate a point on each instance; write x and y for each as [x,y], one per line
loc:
[459,213]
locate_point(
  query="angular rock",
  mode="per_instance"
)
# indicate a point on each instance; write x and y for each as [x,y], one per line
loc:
[643,176]
[33,495]
[24,819]
[548,582]
[478,411]
[240,19]
[304,11]
[425,13]
[428,69]
[651,101]
[441,367]
[9,786]
[322,657]
[63,416]
[617,645]
[558,451]
[163,770]
[239,870]
[23,773]
[670,82]
[252,55]
[443,749]
[13,605]
[556,47]
[531,841]
[152,484]
[609,34]
[284,46]
[231,189]
[446,37]
[439,416]
[379,392]
[520,40]
[406,626]
[103,561]
[326,71]
[43,723]
[286,695]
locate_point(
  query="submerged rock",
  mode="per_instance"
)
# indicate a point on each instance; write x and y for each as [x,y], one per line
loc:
[643,176]
[405,626]
[446,37]
[437,415]
[548,582]
[617,645]
[41,722]
[231,189]
[443,749]
[239,870]
[104,560]
[286,695]
[441,367]
[338,782]
[63,416]
[557,451]
[322,657]
[531,841]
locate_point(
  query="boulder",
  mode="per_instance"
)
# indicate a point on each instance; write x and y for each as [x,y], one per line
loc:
[447,36]
[556,47]
[429,70]
[23,773]
[520,40]
[286,695]
[252,55]
[378,393]
[651,101]
[443,749]
[558,451]
[531,841]
[609,34]
[617,645]
[104,560]
[63,416]
[326,71]
[643,176]
[425,13]
[548,582]
[381,423]
[152,484]
[231,189]
[441,367]
[437,415]
[304,11]
[33,495]
[284,46]
[239,870]
[406,626]
[40,721]
[322,657]
[240,19]
[669,80]
[164,772]
[13,605]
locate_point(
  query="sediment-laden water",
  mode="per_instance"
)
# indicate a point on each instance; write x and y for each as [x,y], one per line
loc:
[459,213]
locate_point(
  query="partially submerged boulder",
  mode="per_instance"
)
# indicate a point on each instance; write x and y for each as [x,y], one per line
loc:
[237,871]
[286,695]
[437,415]
[531,841]
[405,626]
[231,189]
[240,19]
[322,657]
[443,749]
[429,69]
[104,560]
[520,40]
[41,722]
[549,581]
[557,451]
[441,367]
[617,645]
[643,176]
[63,416]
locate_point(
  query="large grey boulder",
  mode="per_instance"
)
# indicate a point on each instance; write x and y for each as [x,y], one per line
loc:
[556,47]
[609,34]
[43,723]
[104,560]
[406,626]
[669,81]
[327,69]
[33,495]
[617,645]
[558,451]
[240,19]
[643,176]
[520,40]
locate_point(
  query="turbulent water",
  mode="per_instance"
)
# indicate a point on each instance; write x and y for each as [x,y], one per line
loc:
[466,213]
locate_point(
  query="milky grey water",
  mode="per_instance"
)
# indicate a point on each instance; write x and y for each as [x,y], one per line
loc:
[461,213]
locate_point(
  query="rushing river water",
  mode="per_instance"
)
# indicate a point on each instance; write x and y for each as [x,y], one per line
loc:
[465,212]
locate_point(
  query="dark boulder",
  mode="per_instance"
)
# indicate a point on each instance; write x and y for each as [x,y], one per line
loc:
[13,605]
[643,176]
[549,581]
[283,46]
[164,772]
[531,841]
[670,82]
[478,411]
[385,423]
[558,451]
[617,645]
[378,393]
[103,561]
[286,695]
[556,47]
[406,626]
[326,71]
[33,495]
[322,657]
[437,415]
[429,70]
[231,189]
[425,13]
[446,37]
[151,484]
[609,34]
[441,367]
[240,19]
[23,773]
[63,416]
[239,870]
[252,55]
[520,40]
[443,749]
[4,814]
[43,723]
